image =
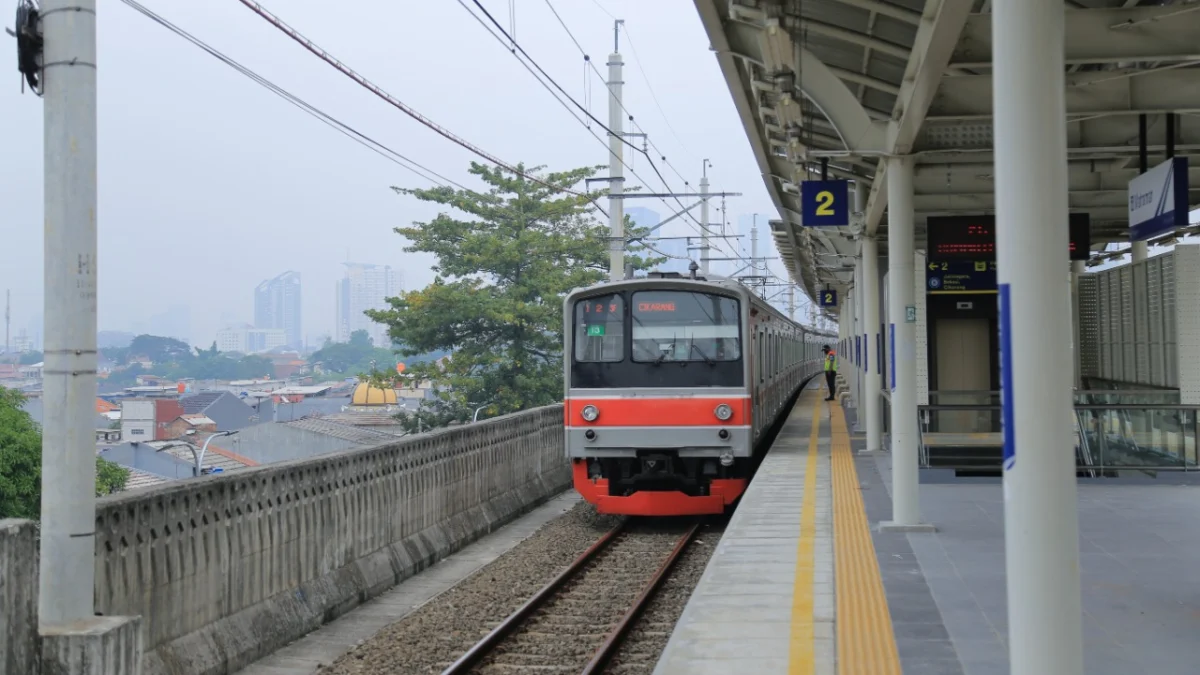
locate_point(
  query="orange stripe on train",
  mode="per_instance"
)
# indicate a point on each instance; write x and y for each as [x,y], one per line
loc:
[657,412]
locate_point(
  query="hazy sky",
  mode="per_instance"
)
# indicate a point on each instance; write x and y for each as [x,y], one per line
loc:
[209,183]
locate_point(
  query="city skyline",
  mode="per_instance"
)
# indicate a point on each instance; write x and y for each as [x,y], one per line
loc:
[277,305]
[365,286]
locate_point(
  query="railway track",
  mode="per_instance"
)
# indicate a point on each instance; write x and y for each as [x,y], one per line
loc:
[578,621]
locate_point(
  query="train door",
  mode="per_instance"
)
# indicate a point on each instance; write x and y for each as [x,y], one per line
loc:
[963,364]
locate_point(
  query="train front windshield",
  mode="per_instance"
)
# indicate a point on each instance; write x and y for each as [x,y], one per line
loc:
[626,340]
[684,326]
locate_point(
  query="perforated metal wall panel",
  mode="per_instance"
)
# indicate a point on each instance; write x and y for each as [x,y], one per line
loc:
[1187,317]
[1089,325]
[1128,340]
[1136,336]
[921,339]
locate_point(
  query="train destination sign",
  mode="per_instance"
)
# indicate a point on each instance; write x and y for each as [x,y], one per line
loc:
[974,237]
[951,277]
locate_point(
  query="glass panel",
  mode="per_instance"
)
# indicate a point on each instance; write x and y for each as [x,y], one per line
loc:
[600,329]
[683,326]
[1140,438]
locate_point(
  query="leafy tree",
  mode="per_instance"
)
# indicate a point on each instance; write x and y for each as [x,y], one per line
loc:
[496,303]
[30,358]
[21,462]
[161,349]
[360,356]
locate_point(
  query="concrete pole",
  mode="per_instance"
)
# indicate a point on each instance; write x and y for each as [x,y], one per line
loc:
[68,548]
[616,167]
[1040,513]
[872,381]
[905,470]
[1140,250]
[704,220]
[792,302]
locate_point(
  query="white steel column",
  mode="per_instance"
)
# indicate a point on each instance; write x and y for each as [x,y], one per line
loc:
[704,221]
[871,378]
[1139,250]
[616,167]
[1040,513]
[68,546]
[906,512]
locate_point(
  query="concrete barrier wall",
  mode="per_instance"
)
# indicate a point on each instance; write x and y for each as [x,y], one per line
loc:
[19,648]
[225,569]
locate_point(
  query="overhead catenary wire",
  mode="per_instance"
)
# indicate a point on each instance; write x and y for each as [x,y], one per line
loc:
[518,51]
[702,228]
[350,132]
[345,129]
[328,58]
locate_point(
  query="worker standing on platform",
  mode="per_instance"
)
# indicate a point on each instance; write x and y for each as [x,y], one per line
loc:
[830,369]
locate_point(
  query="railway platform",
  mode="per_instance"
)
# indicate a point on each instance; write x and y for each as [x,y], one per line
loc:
[803,581]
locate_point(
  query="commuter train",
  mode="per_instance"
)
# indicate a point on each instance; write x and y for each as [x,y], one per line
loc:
[672,384]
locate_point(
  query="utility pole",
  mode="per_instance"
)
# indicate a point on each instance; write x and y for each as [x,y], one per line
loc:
[616,167]
[704,219]
[792,301]
[68,546]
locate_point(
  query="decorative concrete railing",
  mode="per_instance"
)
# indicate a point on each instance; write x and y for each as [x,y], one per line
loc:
[225,569]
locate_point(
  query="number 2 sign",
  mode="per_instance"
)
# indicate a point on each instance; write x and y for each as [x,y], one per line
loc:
[825,203]
[827,298]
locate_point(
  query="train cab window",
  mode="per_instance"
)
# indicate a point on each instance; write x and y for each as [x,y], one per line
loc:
[599,333]
[685,326]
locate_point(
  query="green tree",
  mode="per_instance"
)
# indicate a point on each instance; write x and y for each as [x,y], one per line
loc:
[30,358]
[161,349]
[21,462]
[496,302]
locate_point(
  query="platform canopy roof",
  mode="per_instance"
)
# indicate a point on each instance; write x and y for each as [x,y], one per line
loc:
[851,81]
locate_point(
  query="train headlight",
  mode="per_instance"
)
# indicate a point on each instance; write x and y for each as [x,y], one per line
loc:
[723,412]
[590,413]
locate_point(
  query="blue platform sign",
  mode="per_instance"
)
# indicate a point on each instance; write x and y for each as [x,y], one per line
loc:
[959,277]
[825,203]
[827,298]
[1158,200]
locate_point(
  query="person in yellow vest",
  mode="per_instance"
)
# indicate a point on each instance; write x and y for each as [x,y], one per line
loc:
[830,370]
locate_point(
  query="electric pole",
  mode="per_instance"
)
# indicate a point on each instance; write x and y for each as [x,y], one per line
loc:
[616,167]
[704,219]
[68,545]
[792,301]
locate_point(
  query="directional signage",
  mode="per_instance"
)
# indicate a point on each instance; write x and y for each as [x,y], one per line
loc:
[827,298]
[1158,200]
[974,237]
[825,203]
[956,277]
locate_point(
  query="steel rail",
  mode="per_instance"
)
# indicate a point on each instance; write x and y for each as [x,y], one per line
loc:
[481,649]
[617,636]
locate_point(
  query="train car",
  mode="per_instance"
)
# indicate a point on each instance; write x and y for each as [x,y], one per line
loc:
[672,384]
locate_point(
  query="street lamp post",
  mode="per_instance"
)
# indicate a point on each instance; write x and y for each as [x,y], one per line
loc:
[475,417]
[204,448]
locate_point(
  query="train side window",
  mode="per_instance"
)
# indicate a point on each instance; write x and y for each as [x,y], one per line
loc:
[599,333]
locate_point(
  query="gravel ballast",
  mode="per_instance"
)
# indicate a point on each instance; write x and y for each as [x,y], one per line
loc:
[437,633]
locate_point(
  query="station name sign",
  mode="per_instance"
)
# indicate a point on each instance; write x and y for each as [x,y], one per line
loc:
[974,237]
[1158,200]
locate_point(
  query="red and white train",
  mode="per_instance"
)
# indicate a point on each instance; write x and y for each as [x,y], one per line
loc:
[672,384]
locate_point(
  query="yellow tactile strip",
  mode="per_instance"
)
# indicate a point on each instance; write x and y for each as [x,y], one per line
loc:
[801,652]
[866,644]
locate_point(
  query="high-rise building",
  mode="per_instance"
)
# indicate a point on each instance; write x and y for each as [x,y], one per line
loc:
[250,340]
[277,306]
[365,287]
